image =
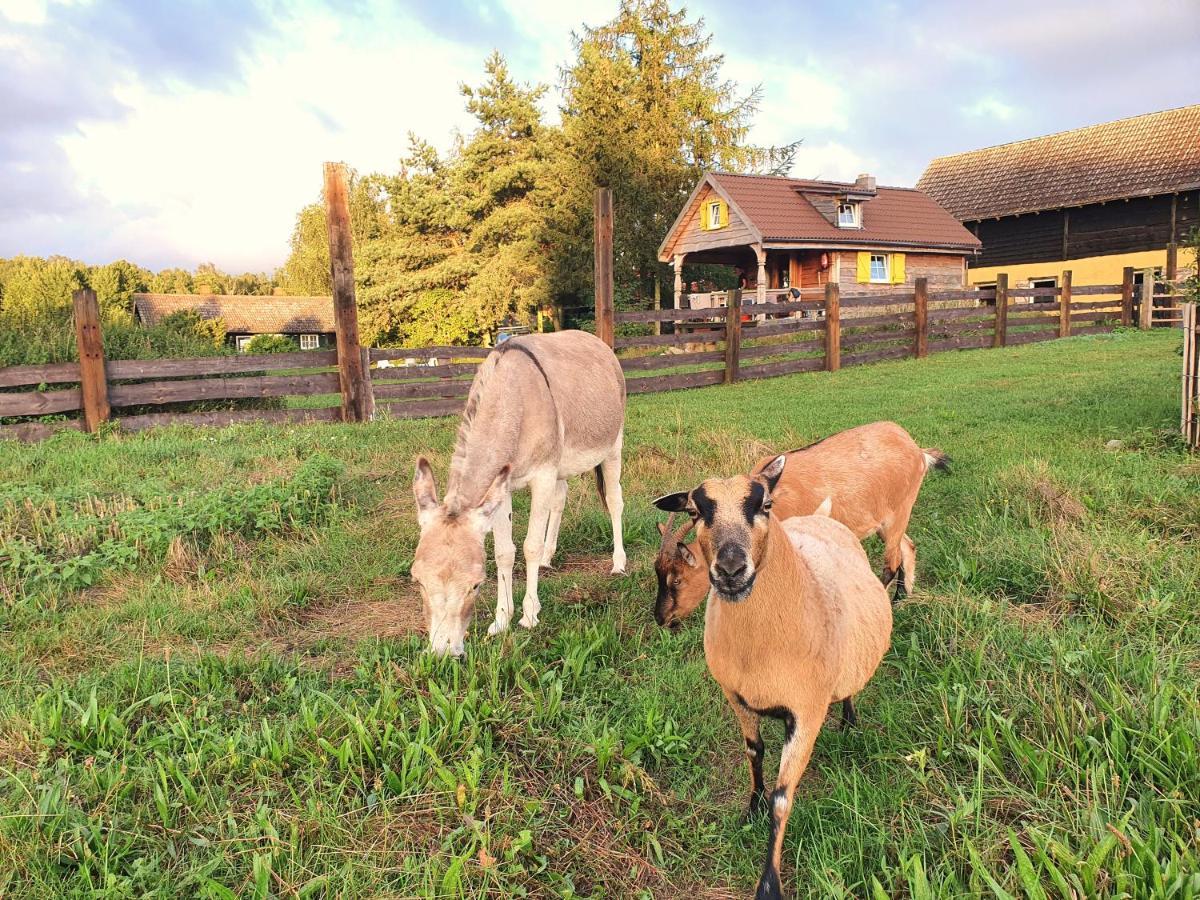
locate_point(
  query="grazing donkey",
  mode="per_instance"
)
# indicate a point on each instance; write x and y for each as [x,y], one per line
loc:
[541,409]
[871,473]
[796,621]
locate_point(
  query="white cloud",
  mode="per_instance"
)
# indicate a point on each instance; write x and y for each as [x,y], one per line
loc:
[833,161]
[990,107]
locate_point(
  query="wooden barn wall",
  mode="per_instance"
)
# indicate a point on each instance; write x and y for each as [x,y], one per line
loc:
[1105,229]
[944,272]
[692,238]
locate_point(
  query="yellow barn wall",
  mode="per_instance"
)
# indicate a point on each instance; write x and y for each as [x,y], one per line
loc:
[1089,270]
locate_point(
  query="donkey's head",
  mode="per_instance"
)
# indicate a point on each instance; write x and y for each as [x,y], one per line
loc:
[449,563]
[732,517]
[682,582]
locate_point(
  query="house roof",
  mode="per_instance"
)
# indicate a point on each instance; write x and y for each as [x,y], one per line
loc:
[783,210]
[1157,153]
[243,314]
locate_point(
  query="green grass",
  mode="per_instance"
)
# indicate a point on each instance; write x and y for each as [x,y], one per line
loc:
[210,685]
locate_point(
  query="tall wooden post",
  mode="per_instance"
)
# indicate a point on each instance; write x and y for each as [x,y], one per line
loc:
[1064,305]
[352,373]
[733,336]
[921,316]
[1146,301]
[93,382]
[1127,297]
[1000,335]
[761,292]
[1171,272]
[677,264]
[833,327]
[603,224]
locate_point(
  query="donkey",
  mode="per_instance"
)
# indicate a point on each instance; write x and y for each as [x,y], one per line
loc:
[541,409]
[871,473]
[797,621]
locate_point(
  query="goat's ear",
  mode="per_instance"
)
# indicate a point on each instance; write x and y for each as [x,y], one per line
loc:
[495,495]
[685,554]
[772,470]
[424,487]
[825,509]
[676,502]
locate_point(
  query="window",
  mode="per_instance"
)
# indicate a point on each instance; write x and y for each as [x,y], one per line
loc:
[880,273]
[243,341]
[1042,283]
[310,341]
[716,214]
[849,215]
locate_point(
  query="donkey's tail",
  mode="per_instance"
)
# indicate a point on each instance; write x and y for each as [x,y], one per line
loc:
[936,459]
[600,488]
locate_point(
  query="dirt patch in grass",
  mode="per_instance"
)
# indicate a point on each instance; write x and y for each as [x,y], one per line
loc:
[356,619]
[1056,503]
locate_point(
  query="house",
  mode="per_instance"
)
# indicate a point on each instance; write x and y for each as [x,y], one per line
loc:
[785,233]
[307,319]
[1093,200]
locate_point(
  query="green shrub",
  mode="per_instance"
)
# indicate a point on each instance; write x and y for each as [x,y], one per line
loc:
[272,343]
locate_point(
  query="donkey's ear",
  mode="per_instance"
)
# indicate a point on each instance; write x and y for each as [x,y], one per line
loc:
[676,502]
[772,470]
[424,487]
[495,495]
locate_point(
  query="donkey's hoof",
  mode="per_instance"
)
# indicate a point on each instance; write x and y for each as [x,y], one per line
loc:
[528,621]
[497,626]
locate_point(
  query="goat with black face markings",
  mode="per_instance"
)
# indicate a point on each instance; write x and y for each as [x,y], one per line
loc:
[796,621]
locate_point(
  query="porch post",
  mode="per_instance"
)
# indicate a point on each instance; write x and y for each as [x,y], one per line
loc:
[762,273]
[678,279]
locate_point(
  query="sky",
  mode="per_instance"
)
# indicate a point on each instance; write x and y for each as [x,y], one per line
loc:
[175,132]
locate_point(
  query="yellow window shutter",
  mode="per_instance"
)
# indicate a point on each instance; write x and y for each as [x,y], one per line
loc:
[864,267]
[724,213]
[897,268]
[704,216]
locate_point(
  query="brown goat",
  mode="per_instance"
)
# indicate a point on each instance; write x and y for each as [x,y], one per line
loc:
[872,474]
[797,620]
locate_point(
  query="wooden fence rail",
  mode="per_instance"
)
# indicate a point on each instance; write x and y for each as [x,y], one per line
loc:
[725,344]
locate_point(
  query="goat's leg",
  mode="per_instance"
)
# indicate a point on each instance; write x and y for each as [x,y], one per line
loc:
[541,490]
[506,555]
[849,716]
[552,525]
[613,499]
[749,722]
[797,750]
[908,567]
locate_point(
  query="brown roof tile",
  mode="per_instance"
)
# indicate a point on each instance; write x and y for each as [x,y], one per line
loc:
[1152,154]
[243,315]
[778,208]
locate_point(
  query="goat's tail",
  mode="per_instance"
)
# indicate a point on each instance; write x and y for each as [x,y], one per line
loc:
[600,488]
[935,459]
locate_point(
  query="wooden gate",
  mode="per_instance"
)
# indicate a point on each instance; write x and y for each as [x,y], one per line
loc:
[1190,418]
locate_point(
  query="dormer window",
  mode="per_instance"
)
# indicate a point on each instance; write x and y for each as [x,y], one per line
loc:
[849,215]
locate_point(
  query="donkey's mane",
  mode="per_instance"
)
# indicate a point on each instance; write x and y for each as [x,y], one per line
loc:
[458,460]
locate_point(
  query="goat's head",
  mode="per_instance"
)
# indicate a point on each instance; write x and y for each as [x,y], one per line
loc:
[682,583]
[732,517]
[449,562]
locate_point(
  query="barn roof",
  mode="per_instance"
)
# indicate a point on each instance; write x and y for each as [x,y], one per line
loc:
[1157,153]
[243,314]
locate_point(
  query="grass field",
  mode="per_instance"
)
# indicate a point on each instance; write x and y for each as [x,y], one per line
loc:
[212,687]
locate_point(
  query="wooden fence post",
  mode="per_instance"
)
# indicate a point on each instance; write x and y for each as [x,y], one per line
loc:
[1146,301]
[369,384]
[93,381]
[1064,305]
[921,316]
[352,375]
[603,223]
[733,336]
[1001,333]
[833,327]
[1127,297]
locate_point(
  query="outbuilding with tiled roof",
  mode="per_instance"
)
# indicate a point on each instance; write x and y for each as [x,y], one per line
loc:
[1092,200]
[789,236]
[308,319]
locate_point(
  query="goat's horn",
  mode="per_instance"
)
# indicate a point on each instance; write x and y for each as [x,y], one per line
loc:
[667,535]
[687,526]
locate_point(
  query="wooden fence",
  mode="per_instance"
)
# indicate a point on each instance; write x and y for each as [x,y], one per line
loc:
[1190,417]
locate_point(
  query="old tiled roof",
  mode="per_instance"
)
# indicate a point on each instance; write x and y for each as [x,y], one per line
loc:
[1151,154]
[780,211]
[243,315]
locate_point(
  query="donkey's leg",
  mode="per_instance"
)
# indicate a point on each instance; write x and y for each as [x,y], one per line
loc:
[556,511]
[797,749]
[613,499]
[541,489]
[506,556]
